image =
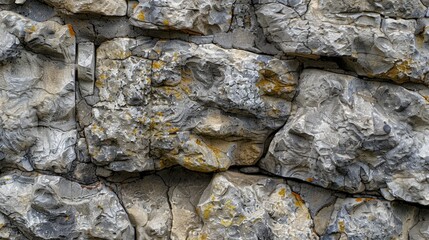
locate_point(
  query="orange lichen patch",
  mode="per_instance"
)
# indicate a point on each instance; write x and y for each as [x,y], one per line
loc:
[299,202]
[158,64]
[269,83]
[310,179]
[399,72]
[71,31]
[341,226]
[364,199]
[282,192]
[140,16]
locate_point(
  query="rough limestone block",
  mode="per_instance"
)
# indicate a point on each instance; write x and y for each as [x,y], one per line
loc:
[159,107]
[374,38]
[100,7]
[369,218]
[244,206]
[354,135]
[193,16]
[86,67]
[37,96]
[51,207]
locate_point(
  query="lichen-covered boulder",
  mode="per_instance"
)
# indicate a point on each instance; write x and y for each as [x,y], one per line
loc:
[242,206]
[353,135]
[50,207]
[170,102]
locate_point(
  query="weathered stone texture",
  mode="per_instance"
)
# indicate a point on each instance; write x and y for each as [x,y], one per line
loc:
[354,135]
[101,7]
[214,119]
[195,16]
[158,106]
[365,34]
[37,99]
[50,207]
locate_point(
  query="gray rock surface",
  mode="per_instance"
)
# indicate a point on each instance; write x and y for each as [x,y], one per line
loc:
[86,68]
[105,7]
[50,207]
[194,16]
[37,99]
[234,119]
[384,39]
[353,135]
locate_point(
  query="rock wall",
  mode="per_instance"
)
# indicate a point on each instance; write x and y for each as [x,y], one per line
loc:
[208,119]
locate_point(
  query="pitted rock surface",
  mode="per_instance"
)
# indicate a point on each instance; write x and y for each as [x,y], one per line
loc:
[355,136]
[171,102]
[209,119]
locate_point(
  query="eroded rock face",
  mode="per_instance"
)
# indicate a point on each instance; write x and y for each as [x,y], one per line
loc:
[37,96]
[105,7]
[354,135]
[180,204]
[252,207]
[170,119]
[50,207]
[171,102]
[363,33]
[195,16]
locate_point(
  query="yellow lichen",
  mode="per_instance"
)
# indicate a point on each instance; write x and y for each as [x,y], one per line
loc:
[341,226]
[165,22]
[269,84]
[282,192]
[31,29]
[226,222]
[140,16]
[102,77]
[208,208]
